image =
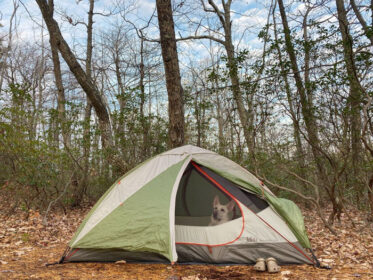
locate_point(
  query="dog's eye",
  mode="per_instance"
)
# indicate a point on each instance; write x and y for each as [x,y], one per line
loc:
[222,210]
[215,208]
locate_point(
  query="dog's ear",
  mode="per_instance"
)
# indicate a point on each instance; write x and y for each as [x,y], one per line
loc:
[216,200]
[231,205]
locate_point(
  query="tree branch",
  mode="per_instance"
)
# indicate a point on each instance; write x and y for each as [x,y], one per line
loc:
[362,21]
[45,221]
[196,37]
[217,11]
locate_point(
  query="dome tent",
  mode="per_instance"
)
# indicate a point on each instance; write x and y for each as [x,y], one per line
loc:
[160,211]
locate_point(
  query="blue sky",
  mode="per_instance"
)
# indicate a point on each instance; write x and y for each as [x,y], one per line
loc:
[248,17]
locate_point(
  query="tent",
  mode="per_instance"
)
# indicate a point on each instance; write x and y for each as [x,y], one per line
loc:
[160,211]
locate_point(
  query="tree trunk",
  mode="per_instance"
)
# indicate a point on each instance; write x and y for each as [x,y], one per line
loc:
[307,109]
[144,122]
[121,90]
[5,53]
[370,197]
[355,94]
[308,116]
[61,99]
[289,96]
[172,71]
[40,76]
[246,117]
[83,184]
[248,128]
[219,117]
[83,79]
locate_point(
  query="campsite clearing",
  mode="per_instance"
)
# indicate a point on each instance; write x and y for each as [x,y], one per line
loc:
[27,245]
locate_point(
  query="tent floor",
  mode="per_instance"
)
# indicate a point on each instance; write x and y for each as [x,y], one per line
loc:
[234,254]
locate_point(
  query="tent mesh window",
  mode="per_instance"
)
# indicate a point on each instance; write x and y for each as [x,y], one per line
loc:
[195,197]
[253,202]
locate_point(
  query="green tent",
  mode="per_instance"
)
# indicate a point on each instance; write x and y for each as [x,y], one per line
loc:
[161,211]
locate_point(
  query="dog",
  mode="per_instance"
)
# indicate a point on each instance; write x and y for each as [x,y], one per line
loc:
[221,213]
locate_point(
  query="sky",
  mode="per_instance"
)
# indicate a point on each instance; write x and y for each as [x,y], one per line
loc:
[248,17]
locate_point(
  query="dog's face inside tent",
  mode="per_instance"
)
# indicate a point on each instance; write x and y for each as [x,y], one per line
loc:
[195,201]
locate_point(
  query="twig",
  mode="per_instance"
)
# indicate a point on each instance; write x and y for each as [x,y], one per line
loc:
[314,201]
[286,189]
[315,187]
[72,157]
[45,221]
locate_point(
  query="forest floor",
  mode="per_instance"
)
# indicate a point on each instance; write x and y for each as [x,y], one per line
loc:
[26,245]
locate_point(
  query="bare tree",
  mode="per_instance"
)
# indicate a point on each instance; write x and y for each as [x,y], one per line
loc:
[172,71]
[366,136]
[85,82]
[309,118]
[290,99]
[246,116]
[61,99]
[355,86]
[246,112]
[4,53]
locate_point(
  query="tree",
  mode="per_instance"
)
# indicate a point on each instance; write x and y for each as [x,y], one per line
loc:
[354,84]
[246,112]
[4,51]
[309,117]
[246,116]
[172,71]
[61,99]
[85,82]
[290,98]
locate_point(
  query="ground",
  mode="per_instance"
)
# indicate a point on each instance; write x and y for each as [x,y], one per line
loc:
[27,245]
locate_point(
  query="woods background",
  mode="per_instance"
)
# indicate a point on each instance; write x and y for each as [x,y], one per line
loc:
[96,87]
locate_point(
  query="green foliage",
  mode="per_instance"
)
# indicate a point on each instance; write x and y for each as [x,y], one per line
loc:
[35,168]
